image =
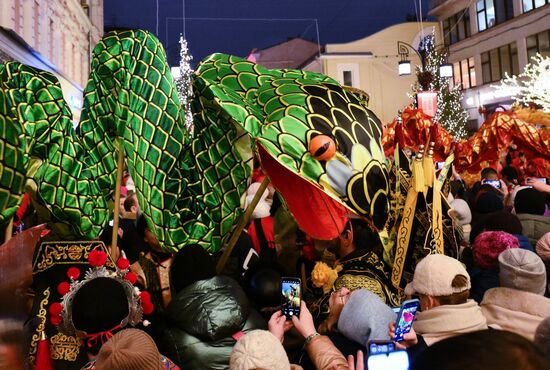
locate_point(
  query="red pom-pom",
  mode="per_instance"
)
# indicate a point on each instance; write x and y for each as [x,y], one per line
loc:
[97,258]
[122,263]
[63,288]
[73,273]
[147,308]
[55,320]
[55,309]
[131,277]
[145,296]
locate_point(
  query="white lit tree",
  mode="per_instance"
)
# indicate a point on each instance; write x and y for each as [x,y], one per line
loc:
[184,83]
[532,86]
[450,114]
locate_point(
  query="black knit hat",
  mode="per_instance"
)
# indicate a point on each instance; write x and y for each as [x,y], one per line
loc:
[488,202]
[263,284]
[503,221]
[529,201]
[191,264]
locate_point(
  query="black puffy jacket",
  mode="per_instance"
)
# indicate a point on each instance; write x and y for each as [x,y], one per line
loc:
[202,320]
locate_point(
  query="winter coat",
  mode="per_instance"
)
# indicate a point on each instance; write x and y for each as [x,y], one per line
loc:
[524,242]
[515,310]
[482,280]
[534,226]
[203,318]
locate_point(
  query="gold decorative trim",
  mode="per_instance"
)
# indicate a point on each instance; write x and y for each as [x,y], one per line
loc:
[41,327]
[64,347]
[58,253]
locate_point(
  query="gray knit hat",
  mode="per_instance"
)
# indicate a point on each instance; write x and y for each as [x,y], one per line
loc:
[523,270]
[129,349]
[259,349]
[365,317]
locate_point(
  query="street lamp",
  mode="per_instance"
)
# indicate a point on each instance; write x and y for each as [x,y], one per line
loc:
[445,70]
[426,100]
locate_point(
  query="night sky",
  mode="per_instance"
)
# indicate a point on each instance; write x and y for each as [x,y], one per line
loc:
[339,21]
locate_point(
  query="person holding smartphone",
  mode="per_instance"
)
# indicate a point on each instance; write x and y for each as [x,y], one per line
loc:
[442,286]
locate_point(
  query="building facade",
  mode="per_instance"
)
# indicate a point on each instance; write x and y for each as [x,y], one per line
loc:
[371,64]
[53,35]
[488,39]
[293,53]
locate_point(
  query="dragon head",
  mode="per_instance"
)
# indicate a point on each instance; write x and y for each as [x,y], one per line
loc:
[317,142]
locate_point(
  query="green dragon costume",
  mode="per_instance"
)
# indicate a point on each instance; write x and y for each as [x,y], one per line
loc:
[189,188]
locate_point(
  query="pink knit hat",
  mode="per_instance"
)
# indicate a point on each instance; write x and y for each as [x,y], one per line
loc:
[489,244]
[543,247]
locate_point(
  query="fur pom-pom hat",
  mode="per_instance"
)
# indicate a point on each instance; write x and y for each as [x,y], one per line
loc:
[489,245]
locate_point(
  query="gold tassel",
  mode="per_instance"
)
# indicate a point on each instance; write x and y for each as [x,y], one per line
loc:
[428,166]
[418,181]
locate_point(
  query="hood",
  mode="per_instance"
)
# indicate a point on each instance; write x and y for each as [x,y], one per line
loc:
[210,309]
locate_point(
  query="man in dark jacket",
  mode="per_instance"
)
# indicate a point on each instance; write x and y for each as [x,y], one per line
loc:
[207,315]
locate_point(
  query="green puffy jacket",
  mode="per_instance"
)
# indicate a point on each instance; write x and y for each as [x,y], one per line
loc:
[202,320]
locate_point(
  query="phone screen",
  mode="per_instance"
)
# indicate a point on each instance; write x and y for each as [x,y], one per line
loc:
[405,318]
[377,347]
[541,179]
[396,360]
[494,183]
[291,297]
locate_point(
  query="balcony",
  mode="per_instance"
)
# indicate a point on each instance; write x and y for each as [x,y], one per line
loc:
[435,3]
[442,9]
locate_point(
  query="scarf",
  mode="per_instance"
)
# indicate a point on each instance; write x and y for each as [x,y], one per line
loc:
[448,320]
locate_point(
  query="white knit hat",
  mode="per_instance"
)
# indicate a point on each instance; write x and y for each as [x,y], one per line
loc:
[462,210]
[434,275]
[523,270]
[259,349]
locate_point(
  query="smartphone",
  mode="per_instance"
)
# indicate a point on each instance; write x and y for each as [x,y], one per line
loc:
[394,360]
[541,179]
[439,165]
[291,296]
[380,346]
[405,318]
[494,183]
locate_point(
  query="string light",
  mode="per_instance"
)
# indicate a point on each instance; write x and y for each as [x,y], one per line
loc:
[184,84]
[533,84]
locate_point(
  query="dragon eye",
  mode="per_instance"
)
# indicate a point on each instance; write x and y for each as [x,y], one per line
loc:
[322,147]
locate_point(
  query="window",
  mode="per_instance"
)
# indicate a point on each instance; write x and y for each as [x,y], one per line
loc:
[348,74]
[456,27]
[538,43]
[464,73]
[348,80]
[529,5]
[497,62]
[504,10]
[493,12]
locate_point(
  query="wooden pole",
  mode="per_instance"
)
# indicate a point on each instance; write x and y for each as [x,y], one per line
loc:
[240,226]
[120,170]
[9,231]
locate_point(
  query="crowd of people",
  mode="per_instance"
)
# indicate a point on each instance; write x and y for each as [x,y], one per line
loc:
[488,309]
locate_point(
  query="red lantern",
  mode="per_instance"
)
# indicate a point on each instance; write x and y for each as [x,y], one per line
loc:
[427,102]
